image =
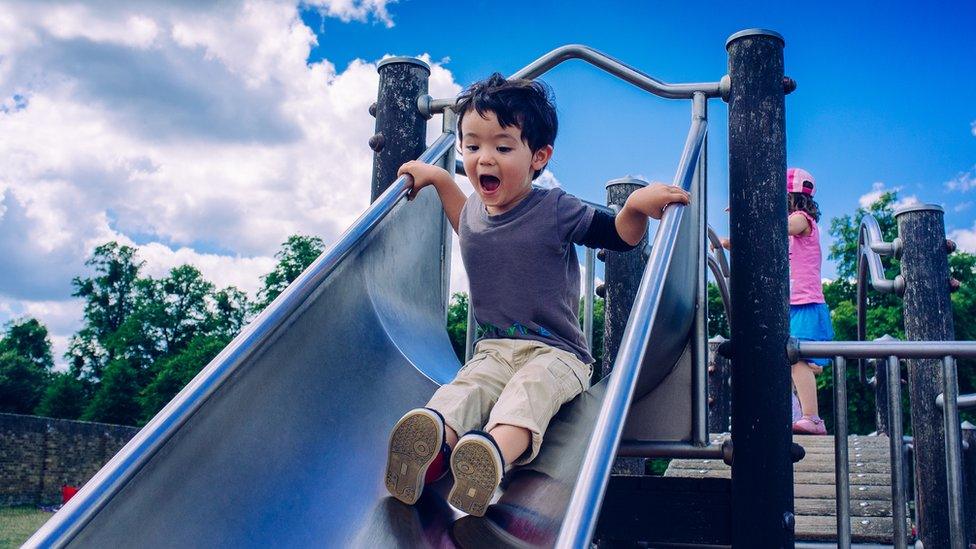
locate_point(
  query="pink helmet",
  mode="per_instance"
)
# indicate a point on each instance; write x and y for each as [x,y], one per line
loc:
[799,180]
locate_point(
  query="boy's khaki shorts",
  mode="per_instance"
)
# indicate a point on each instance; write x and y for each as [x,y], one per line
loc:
[511,382]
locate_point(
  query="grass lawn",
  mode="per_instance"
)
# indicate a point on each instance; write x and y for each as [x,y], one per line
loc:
[18,523]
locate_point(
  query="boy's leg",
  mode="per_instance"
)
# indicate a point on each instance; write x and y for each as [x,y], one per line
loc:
[466,401]
[548,379]
[417,453]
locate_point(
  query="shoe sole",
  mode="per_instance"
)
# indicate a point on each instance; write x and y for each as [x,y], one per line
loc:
[477,472]
[414,444]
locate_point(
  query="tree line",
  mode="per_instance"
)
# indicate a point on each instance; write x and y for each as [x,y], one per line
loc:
[143,338]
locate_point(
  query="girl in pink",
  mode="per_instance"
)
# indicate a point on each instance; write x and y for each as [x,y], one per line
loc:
[809,315]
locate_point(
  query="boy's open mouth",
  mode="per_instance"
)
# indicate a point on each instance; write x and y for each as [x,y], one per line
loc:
[489,183]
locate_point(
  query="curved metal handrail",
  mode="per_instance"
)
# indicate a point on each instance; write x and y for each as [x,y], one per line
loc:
[121,468]
[870,247]
[625,72]
[583,509]
[719,266]
[719,251]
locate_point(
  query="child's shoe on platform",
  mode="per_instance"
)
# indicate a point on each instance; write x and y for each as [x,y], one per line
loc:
[809,425]
[478,467]
[417,455]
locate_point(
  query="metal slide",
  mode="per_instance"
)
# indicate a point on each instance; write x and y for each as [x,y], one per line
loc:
[281,440]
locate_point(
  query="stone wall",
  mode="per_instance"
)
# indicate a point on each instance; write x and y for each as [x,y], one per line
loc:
[38,455]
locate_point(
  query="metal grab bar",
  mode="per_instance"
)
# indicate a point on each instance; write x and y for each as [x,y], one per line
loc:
[121,468]
[871,246]
[880,349]
[584,506]
[428,106]
[963,402]
[719,251]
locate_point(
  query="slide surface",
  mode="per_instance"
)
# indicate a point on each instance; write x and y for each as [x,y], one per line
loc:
[281,441]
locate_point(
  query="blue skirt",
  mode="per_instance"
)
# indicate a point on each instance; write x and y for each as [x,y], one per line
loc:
[811,322]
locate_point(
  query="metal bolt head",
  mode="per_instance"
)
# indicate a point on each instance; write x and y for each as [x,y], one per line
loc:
[377,142]
[372,109]
[954,285]
[601,254]
[789,521]
[789,85]
[601,290]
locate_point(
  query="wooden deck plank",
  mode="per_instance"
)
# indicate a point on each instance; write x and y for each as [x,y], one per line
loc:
[814,490]
[871,530]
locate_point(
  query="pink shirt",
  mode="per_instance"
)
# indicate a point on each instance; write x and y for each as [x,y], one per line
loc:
[805,283]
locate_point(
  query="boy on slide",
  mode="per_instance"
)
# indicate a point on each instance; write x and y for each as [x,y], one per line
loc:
[517,244]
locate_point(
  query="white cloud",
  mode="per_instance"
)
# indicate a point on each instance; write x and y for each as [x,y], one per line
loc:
[963,181]
[910,200]
[198,131]
[972,127]
[547,180]
[962,206]
[965,239]
[877,189]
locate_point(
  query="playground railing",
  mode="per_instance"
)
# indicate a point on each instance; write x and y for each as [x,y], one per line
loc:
[583,509]
[894,352]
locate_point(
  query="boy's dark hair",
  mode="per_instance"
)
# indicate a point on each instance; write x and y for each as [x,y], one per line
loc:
[804,202]
[525,104]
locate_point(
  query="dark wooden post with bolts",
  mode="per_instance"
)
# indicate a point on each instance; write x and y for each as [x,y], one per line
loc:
[623,273]
[928,317]
[762,471]
[719,390]
[401,130]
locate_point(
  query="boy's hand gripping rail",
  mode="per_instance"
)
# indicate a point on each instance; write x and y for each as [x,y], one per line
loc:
[584,507]
[120,469]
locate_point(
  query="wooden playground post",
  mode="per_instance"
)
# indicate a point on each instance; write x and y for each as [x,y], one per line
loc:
[762,468]
[928,317]
[623,272]
[401,129]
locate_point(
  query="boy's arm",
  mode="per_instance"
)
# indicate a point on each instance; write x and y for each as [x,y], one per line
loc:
[649,201]
[452,199]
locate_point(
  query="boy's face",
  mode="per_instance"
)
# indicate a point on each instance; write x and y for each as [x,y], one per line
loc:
[498,163]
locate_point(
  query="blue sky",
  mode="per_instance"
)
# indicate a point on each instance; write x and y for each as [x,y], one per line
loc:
[886,92]
[208,132]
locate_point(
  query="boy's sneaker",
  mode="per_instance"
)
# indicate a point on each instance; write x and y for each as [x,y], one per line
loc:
[417,454]
[478,467]
[809,425]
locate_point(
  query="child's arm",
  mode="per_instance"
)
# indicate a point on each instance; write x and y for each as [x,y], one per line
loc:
[452,199]
[646,202]
[798,224]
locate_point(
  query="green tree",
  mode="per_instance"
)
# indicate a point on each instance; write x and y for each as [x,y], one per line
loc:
[718,323]
[457,323]
[110,298]
[295,255]
[25,365]
[21,383]
[135,329]
[65,397]
[176,371]
[115,397]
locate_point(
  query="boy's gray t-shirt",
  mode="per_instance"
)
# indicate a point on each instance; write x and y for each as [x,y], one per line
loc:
[522,267]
